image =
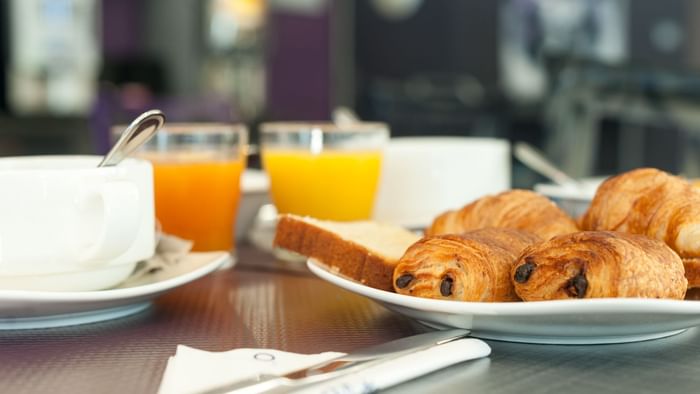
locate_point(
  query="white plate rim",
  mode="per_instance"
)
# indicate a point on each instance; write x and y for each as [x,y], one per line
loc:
[121,293]
[557,307]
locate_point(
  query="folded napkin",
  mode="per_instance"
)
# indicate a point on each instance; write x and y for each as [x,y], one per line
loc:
[196,371]
[169,257]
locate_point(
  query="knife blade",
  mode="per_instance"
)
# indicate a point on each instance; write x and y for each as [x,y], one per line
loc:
[384,373]
[390,349]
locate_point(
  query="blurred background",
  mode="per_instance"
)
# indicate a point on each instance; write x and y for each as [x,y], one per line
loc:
[601,86]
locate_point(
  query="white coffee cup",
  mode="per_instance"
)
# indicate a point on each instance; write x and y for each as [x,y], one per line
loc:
[425,176]
[62,215]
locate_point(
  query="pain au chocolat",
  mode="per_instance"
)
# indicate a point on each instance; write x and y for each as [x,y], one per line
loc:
[518,209]
[473,266]
[598,264]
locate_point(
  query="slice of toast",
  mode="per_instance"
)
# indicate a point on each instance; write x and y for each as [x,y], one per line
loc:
[364,251]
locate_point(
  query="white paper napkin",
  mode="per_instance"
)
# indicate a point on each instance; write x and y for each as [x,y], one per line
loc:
[195,371]
[170,250]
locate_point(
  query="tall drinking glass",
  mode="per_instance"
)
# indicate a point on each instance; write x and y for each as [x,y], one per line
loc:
[197,169]
[324,170]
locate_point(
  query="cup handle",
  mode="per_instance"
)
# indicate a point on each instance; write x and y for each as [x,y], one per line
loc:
[121,214]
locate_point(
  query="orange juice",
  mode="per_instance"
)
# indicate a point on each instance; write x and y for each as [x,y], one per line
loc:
[333,185]
[198,200]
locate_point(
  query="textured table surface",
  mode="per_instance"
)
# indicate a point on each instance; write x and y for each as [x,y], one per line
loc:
[257,305]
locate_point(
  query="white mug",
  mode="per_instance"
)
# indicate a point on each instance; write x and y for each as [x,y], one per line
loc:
[62,214]
[425,176]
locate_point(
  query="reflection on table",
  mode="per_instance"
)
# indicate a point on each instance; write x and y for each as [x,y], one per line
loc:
[260,304]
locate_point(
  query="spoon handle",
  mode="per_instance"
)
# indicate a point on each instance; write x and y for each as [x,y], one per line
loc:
[536,161]
[135,135]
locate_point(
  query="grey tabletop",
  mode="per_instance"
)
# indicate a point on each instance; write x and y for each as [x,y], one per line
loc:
[262,304]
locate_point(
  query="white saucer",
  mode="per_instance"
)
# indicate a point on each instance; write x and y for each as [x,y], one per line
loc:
[21,309]
[591,321]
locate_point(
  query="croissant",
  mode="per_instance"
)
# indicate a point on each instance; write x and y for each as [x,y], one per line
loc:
[692,272]
[598,264]
[519,209]
[650,202]
[474,266]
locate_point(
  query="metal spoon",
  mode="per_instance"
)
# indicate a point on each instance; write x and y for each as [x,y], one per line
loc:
[536,161]
[135,135]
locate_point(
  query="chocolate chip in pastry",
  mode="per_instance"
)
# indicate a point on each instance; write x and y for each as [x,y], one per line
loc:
[598,264]
[474,266]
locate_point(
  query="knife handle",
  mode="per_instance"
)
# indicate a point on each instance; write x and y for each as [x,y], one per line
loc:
[400,369]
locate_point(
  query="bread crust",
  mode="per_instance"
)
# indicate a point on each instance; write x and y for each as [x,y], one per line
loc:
[518,209]
[599,264]
[347,257]
[473,266]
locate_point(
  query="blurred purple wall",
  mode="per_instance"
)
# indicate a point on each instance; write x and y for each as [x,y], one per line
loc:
[122,22]
[298,60]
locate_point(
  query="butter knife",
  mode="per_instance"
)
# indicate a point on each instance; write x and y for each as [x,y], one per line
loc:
[328,369]
[384,373]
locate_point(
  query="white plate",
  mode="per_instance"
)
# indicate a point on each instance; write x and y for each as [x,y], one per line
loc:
[611,320]
[584,190]
[42,309]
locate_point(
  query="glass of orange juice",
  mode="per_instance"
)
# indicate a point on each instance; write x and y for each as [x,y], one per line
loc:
[324,170]
[197,169]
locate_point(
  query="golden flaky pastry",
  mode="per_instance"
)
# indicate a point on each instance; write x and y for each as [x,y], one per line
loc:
[474,266]
[518,209]
[599,264]
[650,202]
[692,272]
